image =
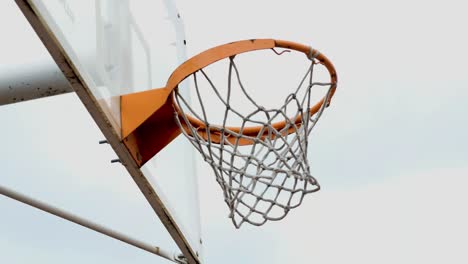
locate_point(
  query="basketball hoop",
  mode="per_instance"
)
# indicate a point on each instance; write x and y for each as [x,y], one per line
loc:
[262,168]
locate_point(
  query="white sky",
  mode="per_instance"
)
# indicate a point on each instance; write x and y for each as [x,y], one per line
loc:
[391,153]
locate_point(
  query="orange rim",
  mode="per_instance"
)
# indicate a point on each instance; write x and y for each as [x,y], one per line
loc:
[224,51]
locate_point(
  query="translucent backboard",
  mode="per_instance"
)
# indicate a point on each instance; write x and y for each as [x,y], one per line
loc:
[117,47]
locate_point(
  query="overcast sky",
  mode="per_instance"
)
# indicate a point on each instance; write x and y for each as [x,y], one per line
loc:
[391,152]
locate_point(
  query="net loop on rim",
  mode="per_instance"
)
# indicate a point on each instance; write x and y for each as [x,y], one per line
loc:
[263,171]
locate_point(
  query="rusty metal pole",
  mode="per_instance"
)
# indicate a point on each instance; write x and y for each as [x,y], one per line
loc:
[31,81]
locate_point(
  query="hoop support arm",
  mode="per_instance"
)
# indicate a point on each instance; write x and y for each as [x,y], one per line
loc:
[88,224]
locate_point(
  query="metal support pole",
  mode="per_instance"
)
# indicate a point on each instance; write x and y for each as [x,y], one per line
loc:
[20,83]
[177,258]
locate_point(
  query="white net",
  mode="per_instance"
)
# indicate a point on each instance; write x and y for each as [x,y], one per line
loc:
[263,175]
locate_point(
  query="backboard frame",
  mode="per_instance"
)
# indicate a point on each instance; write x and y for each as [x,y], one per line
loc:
[79,86]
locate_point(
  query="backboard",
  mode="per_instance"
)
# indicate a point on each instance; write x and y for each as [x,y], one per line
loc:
[109,48]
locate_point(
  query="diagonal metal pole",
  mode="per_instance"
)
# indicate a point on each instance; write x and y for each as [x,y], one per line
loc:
[177,258]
